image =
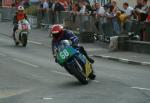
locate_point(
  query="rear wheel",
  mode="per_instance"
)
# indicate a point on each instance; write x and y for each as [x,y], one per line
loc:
[79,73]
[24,40]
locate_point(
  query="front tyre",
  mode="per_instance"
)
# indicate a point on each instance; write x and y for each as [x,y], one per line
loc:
[24,40]
[79,73]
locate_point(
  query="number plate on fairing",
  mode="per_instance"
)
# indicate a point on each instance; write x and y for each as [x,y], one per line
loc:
[65,54]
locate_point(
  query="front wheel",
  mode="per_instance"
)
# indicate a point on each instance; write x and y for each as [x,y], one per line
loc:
[24,40]
[79,73]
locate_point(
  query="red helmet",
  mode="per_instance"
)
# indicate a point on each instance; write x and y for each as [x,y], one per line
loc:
[56,30]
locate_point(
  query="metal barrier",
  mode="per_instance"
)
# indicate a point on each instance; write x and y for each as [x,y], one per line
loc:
[7,14]
[32,21]
[74,21]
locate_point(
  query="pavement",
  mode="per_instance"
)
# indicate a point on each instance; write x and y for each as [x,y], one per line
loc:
[97,49]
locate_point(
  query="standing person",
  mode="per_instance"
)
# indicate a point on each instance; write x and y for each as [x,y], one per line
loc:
[64,3]
[82,8]
[99,13]
[50,3]
[141,13]
[43,7]
[115,6]
[127,9]
[58,6]
[139,4]
[25,3]
[112,16]
[125,17]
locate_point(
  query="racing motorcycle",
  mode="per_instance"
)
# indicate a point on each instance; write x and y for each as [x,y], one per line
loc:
[21,34]
[73,61]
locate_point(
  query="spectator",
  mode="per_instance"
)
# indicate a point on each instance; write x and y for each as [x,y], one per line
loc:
[26,4]
[112,14]
[50,3]
[88,7]
[75,7]
[99,14]
[64,4]
[69,6]
[127,9]
[139,4]
[83,8]
[99,10]
[148,17]
[43,7]
[126,13]
[58,6]
[143,12]
[125,17]
[114,4]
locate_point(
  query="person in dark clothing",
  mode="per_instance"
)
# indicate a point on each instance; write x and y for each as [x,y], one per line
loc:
[59,7]
[59,34]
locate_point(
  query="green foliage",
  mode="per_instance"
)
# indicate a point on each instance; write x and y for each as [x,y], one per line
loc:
[31,10]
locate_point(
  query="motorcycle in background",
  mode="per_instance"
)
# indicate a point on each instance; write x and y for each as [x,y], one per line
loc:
[21,34]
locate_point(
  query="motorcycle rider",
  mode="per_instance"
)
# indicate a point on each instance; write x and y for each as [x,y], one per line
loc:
[20,15]
[59,33]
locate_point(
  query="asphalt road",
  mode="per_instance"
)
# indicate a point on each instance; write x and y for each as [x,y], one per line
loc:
[30,75]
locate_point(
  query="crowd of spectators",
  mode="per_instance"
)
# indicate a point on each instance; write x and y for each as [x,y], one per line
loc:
[111,11]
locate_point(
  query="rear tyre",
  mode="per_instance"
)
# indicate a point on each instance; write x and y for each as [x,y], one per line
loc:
[24,40]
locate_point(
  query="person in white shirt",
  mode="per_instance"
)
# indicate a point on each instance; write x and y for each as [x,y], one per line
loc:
[45,4]
[99,10]
[127,9]
[125,18]
[99,13]
[83,8]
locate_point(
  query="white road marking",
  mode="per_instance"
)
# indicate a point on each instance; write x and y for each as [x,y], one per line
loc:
[96,81]
[123,60]
[35,42]
[24,62]
[106,56]
[47,98]
[147,89]
[65,74]
[1,54]
[146,63]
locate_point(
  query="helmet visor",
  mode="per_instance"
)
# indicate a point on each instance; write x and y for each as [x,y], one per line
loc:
[56,35]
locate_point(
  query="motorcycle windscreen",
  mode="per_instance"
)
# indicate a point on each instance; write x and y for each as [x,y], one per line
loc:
[65,54]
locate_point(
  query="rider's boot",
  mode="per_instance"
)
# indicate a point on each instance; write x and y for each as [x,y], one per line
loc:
[92,76]
[13,35]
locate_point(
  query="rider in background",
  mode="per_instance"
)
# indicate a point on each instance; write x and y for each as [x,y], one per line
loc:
[59,33]
[20,15]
